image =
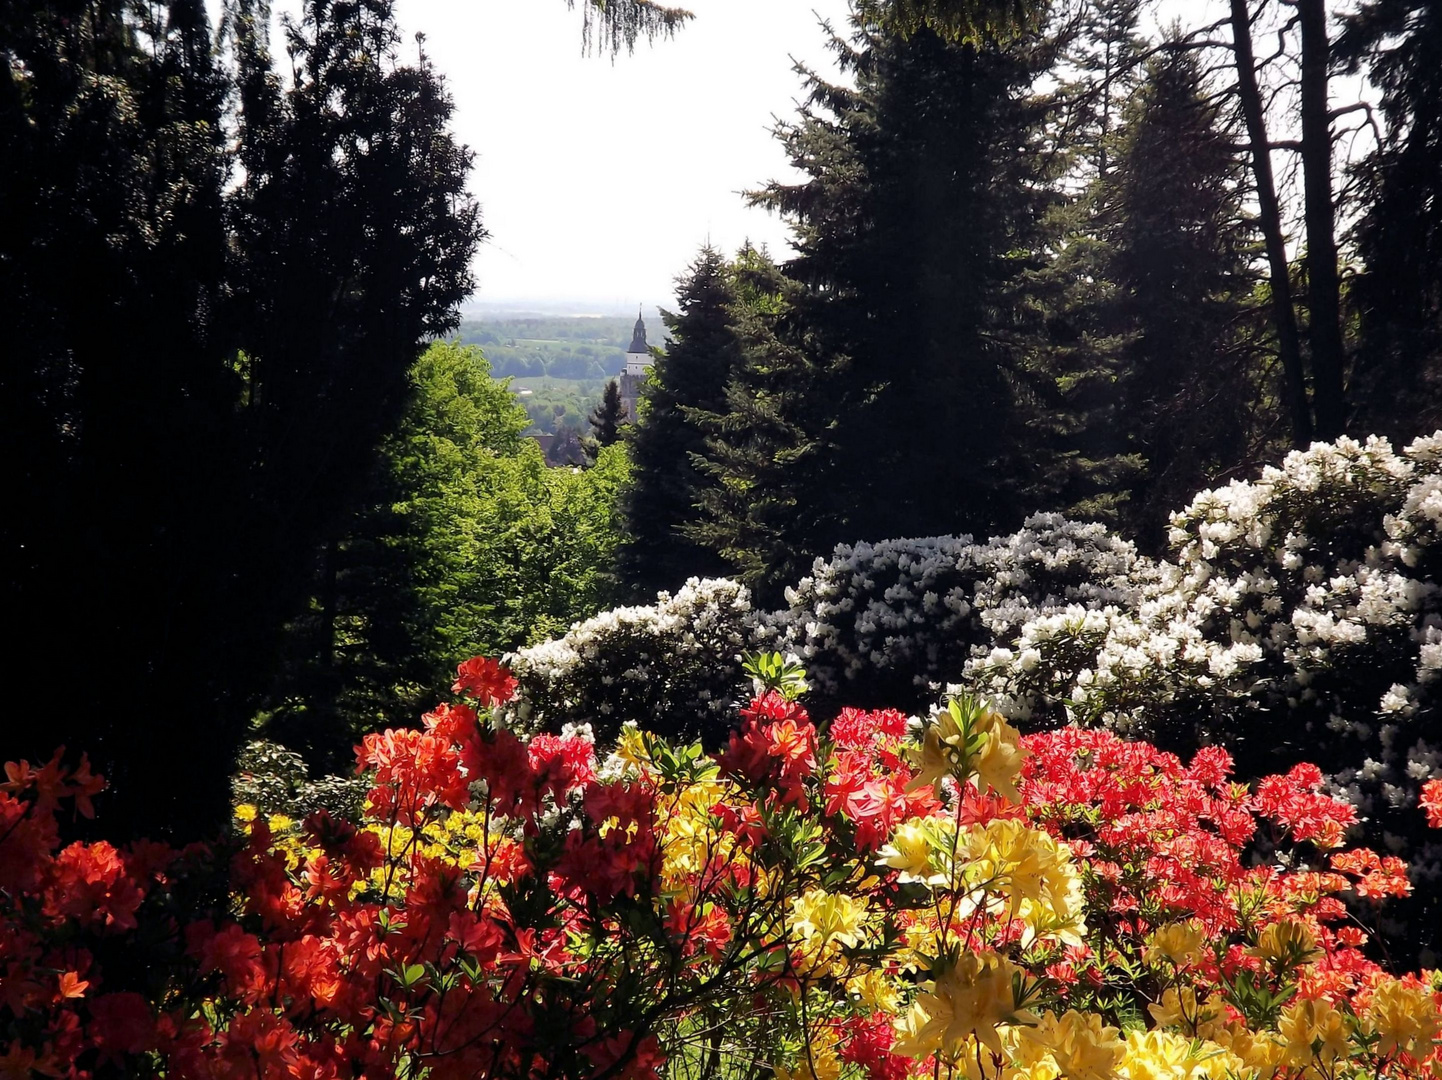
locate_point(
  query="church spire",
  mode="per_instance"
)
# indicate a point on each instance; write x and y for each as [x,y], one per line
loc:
[638,335]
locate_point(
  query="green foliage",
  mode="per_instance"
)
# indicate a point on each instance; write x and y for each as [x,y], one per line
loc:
[687,380]
[620,24]
[770,671]
[957,20]
[574,347]
[915,228]
[471,545]
[761,502]
[606,421]
[1153,339]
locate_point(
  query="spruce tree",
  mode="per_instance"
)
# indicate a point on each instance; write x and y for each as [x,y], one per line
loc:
[606,419]
[916,227]
[766,454]
[1188,341]
[688,379]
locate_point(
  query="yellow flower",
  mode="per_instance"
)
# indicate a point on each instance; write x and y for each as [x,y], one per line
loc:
[910,853]
[971,999]
[246,813]
[1083,1048]
[1313,1029]
[999,758]
[1179,1008]
[825,922]
[818,1065]
[1178,943]
[631,747]
[1262,1051]
[941,754]
[1165,1055]
[830,916]
[876,991]
[1287,943]
[817,1059]
[279,823]
[1403,1017]
[1034,872]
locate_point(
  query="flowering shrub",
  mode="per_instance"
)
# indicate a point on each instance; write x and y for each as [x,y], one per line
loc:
[882,898]
[677,662]
[890,622]
[1299,619]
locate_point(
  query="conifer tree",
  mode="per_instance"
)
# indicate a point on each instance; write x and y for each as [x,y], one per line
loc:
[214,280]
[688,379]
[766,455]
[1398,379]
[606,419]
[1179,243]
[915,228]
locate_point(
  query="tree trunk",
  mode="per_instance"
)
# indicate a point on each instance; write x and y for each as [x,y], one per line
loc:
[1323,285]
[1284,317]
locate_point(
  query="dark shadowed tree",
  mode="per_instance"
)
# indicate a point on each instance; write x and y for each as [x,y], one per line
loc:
[760,503]
[1398,377]
[1190,353]
[606,419]
[916,226]
[203,362]
[690,377]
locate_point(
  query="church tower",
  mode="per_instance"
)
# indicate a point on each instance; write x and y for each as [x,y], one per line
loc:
[638,363]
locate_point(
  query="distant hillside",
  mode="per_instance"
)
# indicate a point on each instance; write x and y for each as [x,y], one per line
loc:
[562,347]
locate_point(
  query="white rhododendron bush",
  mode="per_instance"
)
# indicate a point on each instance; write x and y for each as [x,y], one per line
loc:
[1297,617]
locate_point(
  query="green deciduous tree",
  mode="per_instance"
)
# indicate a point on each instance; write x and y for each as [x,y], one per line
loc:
[468,544]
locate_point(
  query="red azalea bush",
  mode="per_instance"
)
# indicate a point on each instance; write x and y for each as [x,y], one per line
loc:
[831,903]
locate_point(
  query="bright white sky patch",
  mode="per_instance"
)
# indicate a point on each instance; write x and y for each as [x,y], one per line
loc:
[599,181]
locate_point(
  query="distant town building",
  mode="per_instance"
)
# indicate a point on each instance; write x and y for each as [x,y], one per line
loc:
[638,364]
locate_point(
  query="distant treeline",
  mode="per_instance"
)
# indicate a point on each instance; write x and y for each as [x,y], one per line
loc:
[563,347]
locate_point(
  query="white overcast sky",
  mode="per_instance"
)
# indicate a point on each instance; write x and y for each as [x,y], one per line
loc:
[599,181]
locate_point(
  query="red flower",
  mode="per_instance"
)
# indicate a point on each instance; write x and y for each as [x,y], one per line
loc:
[486,680]
[1431,802]
[121,1024]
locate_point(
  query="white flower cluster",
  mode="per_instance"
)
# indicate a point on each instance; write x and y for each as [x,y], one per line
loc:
[673,666]
[887,623]
[1299,619]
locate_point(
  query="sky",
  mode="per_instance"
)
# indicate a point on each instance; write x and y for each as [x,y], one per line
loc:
[599,181]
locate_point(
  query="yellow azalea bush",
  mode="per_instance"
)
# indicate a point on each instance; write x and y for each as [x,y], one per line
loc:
[885,897]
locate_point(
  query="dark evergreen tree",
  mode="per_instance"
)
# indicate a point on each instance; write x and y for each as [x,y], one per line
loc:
[606,419]
[1104,53]
[201,364]
[1398,377]
[766,453]
[1189,349]
[664,490]
[915,229]
[1073,340]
